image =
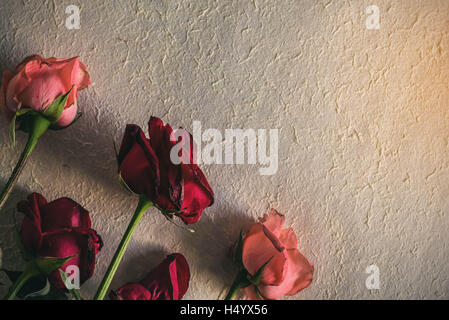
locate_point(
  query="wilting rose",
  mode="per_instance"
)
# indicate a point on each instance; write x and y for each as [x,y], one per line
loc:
[37,82]
[60,229]
[288,271]
[146,168]
[168,281]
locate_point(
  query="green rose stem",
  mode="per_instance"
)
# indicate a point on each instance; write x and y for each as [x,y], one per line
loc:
[23,278]
[142,206]
[42,265]
[39,125]
[240,281]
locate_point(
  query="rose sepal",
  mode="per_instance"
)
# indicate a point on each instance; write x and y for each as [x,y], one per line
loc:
[36,267]
[35,124]
[238,251]
[257,277]
[37,288]
[56,108]
[26,116]
[245,279]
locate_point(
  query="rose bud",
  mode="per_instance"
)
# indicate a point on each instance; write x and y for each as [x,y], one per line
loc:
[168,281]
[146,168]
[37,82]
[41,94]
[175,188]
[60,229]
[271,263]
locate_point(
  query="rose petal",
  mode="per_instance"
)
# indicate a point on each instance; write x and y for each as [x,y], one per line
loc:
[298,276]
[132,133]
[61,245]
[250,292]
[24,62]
[64,213]
[170,191]
[68,72]
[68,115]
[170,279]
[83,78]
[257,250]
[304,271]
[16,85]
[83,244]
[273,221]
[139,166]
[132,291]
[41,86]
[198,194]
[179,266]
[288,238]
[6,78]
[79,75]
[156,131]
[31,230]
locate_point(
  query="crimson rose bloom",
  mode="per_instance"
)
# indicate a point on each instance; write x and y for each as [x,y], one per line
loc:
[145,166]
[60,229]
[168,281]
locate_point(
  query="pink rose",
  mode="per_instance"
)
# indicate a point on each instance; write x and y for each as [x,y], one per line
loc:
[37,82]
[288,271]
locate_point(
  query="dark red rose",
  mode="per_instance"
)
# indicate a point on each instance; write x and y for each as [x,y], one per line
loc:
[60,229]
[168,281]
[145,166]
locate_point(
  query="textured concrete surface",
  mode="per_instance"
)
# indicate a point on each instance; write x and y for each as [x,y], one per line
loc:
[364,131]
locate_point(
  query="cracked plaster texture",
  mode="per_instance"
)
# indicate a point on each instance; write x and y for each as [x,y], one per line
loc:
[363,116]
